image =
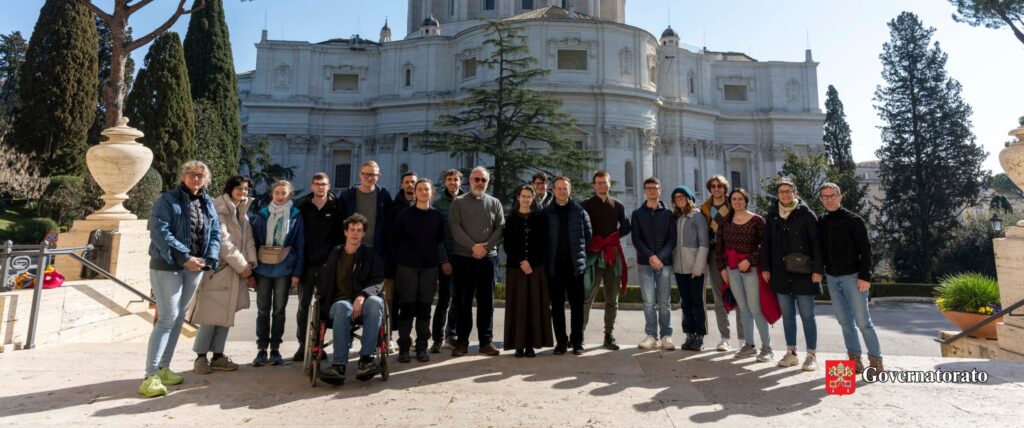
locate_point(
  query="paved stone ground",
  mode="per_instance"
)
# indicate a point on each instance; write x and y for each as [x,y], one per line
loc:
[93,384]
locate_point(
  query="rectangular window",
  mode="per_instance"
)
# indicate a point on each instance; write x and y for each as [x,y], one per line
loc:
[691,85]
[468,68]
[405,144]
[408,77]
[572,60]
[527,4]
[451,7]
[579,145]
[488,4]
[346,82]
[342,169]
[735,92]
[736,179]
[696,182]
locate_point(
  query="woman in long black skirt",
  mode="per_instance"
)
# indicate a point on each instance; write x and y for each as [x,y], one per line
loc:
[527,307]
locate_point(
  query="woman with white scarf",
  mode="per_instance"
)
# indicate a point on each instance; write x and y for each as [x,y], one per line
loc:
[277,229]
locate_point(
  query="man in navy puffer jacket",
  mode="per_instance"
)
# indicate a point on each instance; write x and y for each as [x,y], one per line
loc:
[654,237]
[569,234]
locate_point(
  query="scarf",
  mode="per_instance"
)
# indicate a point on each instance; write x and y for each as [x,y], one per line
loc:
[785,211]
[610,248]
[278,222]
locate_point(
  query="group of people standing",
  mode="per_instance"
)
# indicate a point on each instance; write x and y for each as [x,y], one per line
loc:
[363,250]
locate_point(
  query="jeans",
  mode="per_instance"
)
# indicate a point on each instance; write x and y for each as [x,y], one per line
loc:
[564,283]
[851,304]
[475,278]
[444,313]
[341,322]
[714,276]
[211,338]
[656,290]
[747,291]
[790,303]
[691,299]
[416,287]
[172,292]
[306,288]
[611,297]
[270,291]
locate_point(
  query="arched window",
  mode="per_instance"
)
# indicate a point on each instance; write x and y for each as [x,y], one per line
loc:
[408,77]
[628,175]
[691,79]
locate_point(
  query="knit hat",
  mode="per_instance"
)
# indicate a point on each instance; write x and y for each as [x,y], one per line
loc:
[685,191]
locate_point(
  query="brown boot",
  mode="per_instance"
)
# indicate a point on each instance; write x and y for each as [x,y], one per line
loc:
[857,360]
[876,363]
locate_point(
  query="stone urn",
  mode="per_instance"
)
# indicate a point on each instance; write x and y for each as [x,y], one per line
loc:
[117,165]
[1012,159]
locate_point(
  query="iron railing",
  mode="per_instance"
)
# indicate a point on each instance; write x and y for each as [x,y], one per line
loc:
[1008,311]
[20,257]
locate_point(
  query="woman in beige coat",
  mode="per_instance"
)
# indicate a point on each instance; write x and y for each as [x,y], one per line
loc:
[226,290]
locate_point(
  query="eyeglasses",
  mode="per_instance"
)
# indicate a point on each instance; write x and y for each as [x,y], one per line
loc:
[717,186]
[652,188]
[828,197]
[368,174]
[785,192]
[195,175]
[479,180]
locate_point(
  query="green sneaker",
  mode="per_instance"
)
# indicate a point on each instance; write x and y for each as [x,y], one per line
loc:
[168,377]
[152,387]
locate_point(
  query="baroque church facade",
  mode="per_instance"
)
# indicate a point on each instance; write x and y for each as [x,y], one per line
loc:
[648,105]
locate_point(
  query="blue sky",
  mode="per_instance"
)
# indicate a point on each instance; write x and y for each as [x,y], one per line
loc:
[845,36]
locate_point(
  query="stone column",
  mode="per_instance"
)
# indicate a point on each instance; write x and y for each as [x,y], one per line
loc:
[1010,257]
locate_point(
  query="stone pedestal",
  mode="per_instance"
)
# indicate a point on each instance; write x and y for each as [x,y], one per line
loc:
[1010,270]
[129,259]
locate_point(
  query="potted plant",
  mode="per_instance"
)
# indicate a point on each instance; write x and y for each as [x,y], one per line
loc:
[966,299]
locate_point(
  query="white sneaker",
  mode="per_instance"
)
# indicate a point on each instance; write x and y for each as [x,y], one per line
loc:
[666,343]
[810,363]
[765,355]
[723,346]
[649,342]
[392,347]
[789,360]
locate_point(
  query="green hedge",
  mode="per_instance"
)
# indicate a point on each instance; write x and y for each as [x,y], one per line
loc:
[30,231]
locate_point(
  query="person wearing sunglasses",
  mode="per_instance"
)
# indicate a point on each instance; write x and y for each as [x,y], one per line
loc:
[715,209]
[477,221]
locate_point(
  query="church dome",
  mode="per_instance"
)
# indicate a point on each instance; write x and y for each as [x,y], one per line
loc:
[430,22]
[669,32]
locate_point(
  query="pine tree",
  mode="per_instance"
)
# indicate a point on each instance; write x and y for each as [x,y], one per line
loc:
[12,55]
[161,107]
[991,14]
[930,166]
[498,119]
[106,51]
[57,87]
[211,70]
[842,169]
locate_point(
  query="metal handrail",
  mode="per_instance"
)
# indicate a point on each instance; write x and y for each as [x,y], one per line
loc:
[45,252]
[1006,311]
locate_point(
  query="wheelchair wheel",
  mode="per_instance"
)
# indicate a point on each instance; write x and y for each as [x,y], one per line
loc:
[312,328]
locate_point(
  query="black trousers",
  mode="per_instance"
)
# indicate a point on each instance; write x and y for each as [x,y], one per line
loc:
[416,290]
[444,312]
[691,299]
[306,287]
[564,283]
[474,278]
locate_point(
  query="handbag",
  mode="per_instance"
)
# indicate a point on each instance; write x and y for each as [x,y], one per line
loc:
[795,262]
[270,255]
[210,304]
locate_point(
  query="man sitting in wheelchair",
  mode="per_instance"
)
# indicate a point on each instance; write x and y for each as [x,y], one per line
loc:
[349,291]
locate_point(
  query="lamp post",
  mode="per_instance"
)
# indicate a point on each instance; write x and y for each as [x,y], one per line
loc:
[997,225]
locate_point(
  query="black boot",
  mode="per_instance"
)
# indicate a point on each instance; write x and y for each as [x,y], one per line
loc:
[698,343]
[609,342]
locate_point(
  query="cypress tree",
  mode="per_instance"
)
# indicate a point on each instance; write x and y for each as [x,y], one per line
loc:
[12,56]
[930,166]
[842,169]
[57,88]
[211,70]
[161,107]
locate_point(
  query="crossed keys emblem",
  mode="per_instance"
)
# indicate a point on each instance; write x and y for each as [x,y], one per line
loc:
[840,378]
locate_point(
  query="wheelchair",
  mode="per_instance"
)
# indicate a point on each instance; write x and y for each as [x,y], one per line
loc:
[316,343]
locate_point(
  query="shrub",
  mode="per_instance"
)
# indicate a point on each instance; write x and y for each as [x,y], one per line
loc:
[142,197]
[62,199]
[31,231]
[968,292]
